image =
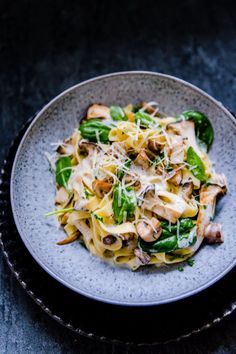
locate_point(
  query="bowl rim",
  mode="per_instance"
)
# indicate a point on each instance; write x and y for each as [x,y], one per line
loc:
[31,250]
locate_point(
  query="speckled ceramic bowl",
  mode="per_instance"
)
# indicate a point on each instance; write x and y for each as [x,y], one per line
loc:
[33,190]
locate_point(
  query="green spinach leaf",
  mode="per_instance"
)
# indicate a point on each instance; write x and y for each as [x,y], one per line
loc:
[170,243]
[185,225]
[117,113]
[63,171]
[196,165]
[124,203]
[95,130]
[203,127]
[146,120]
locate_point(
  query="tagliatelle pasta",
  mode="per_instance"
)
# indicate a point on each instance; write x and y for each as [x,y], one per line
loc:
[136,186]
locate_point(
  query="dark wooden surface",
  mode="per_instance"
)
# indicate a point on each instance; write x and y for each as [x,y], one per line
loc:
[47,46]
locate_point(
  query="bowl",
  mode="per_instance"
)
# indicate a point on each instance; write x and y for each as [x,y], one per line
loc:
[33,191]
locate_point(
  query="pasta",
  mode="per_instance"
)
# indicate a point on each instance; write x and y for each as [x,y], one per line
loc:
[136,186]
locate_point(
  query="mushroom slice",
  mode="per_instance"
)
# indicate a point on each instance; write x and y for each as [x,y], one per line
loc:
[213,233]
[175,177]
[149,231]
[154,145]
[165,204]
[208,195]
[186,129]
[63,219]
[220,180]
[88,147]
[142,160]
[109,240]
[101,187]
[176,149]
[69,239]
[142,256]
[148,107]
[65,149]
[187,190]
[98,111]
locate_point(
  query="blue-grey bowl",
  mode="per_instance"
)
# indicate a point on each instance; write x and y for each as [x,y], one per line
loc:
[33,190]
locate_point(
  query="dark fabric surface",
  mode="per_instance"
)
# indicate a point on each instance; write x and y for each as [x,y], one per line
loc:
[47,46]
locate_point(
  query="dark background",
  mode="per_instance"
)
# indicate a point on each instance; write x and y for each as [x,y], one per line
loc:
[47,46]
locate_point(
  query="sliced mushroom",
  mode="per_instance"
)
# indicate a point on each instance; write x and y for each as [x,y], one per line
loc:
[142,256]
[88,147]
[69,239]
[176,149]
[213,233]
[148,108]
[208,195]
[187,190]
[109,240]
[135,183]
[165,204]
[186,129]
[220,180]
[142,160]
[66,148]
[175,177]
[101,187]
[149,232]
[98,111]
[154,145]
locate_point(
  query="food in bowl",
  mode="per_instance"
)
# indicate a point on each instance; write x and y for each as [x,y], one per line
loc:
[136,186]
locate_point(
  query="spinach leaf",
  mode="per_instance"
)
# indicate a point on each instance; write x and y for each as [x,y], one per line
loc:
[185,225]
[117,113]
[95,130]
[63,171]
[145,120]
[203,127]
[170,243]
[196,165]
[188,239]
[124,203]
